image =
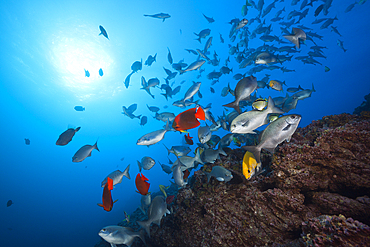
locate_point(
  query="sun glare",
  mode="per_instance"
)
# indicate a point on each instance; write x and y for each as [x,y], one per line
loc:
[74,52]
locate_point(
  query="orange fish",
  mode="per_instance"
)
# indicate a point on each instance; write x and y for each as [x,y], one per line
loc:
[188,139]
[141,184]
[189,119]
[107,196]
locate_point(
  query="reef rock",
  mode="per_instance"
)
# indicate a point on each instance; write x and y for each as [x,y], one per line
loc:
[324,170]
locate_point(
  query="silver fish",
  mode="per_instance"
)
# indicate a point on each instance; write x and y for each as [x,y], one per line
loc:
[117,176]
[193,66]
[165,168]
[157,209]
[192,91]
[298,34]
[220,173]
[120,235]
[145,200]
[178,175]
[146,163]
[247,122]
[162,16]
[204,134]
[211,155]
[84,152]
[243,90]
[153,137]
[178,150]
[275,133]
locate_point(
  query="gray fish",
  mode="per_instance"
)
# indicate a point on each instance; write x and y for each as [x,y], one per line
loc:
[340,44]
[127,80]
[209,19]
[265,58]
[84,152]
[211,155]
[294,89]
[275,133]
[143,120]
[204,134]
[290,103]
[298,34]
[188,161]
[220,173]
[153,137]
[67,136]
[169,56]
[136,66]
[207,45]
[304,93]
[193,66]
[243,90]
[120,235]
[202,34]
[178,150]
[103,32]
[157,209]
[191,51]
[178,175]
[145,86]
[79,108]
[247,122]
[145,200]
[162,16]
[153,108]
[9,203]
[192,91]
[146,163]
[167,169]
[165,116]
[117,176]
[151,59]
[129,111]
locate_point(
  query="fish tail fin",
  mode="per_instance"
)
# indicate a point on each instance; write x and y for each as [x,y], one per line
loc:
[96,145]
[155,57]
[126,172]
[197,158]
[272,108]
[208,176]
[145,225]
[167,147]
[110,183]
[234,105]
[300,88]
[293,39]
[313,89]
[255,150]
[221,151]
[139,165]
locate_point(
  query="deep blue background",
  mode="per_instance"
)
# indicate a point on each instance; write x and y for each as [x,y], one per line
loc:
[46,46]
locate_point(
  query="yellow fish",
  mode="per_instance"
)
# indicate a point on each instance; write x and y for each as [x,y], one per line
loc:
[259,104]
[163,189]
[250,165]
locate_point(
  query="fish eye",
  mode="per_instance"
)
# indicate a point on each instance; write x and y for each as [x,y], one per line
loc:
[103,230]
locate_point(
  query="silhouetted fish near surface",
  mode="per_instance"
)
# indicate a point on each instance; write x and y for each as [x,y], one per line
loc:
[9,203]
[209,19]
[87,73]
[103,32]
[100,72]
[151,59]
[136,66]
[143,120]
[27,141]
[67,136]
[162,16]
[79,108]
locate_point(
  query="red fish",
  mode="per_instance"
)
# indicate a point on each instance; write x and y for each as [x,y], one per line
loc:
[186,174]
[169,199]
[107,196]
[188,139]
[141,184]
[189,119]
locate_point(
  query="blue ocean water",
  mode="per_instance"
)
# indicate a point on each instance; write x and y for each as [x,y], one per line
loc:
[45,47]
